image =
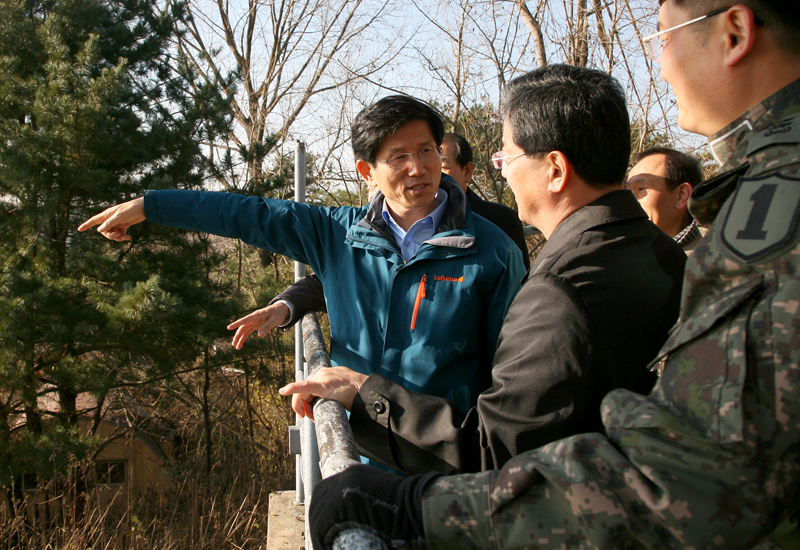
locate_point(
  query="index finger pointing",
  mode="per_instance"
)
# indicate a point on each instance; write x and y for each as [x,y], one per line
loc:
[97,219]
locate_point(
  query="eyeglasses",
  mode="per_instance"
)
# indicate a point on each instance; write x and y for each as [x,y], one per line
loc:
[499,160]
[655,42]
[402,160]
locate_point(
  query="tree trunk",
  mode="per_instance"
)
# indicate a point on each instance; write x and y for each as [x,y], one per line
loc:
[536,30]
[207,413]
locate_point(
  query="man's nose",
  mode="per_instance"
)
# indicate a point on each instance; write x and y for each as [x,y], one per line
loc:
[416,166]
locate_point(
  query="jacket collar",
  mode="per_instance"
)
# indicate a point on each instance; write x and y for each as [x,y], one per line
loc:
[454,231]
[612,207]
[729,144]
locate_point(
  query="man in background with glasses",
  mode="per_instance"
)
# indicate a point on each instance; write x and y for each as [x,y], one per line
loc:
[711,458]
[596,306]
[416,286]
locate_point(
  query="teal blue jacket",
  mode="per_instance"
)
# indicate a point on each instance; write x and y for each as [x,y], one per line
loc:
[470,271]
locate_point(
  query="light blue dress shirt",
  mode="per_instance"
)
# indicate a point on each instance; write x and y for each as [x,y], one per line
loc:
[421,231]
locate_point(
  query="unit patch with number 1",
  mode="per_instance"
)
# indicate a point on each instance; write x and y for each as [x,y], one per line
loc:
[762,216]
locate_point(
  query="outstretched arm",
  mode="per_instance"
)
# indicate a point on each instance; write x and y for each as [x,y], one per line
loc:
[302,296]
[115,221]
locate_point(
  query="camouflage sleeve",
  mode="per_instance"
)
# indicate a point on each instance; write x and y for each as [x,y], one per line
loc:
[708,460]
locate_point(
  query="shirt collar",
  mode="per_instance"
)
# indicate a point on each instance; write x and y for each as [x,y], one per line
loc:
[436,215]
[687,234]
[422,229]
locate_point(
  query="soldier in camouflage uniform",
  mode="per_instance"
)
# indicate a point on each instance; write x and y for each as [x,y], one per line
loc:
[710,459]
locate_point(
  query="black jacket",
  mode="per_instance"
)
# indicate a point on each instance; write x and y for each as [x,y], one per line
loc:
[595,308]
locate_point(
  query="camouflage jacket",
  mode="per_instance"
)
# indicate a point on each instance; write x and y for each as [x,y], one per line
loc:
[710,458]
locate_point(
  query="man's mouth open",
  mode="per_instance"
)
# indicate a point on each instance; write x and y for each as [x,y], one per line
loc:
[418,189]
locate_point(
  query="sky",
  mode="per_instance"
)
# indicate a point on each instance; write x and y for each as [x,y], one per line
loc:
[413,49]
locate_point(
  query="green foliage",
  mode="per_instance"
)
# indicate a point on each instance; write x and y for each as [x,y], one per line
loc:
[49,454]
[94,109]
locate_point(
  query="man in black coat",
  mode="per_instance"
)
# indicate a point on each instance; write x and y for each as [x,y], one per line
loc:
[595,308]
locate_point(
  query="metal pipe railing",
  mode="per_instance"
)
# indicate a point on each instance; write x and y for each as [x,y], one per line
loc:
[530,230]
[299,273]
[329,447]
[335,441]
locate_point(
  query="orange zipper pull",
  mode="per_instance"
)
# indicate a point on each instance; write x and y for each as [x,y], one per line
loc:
[420,296]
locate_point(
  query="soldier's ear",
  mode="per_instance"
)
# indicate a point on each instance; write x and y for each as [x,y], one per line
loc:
[739,27]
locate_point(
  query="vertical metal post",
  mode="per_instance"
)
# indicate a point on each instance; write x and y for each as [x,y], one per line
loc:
[308,460]
[299,273]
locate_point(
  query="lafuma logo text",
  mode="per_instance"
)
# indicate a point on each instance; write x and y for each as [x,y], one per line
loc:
[452,279]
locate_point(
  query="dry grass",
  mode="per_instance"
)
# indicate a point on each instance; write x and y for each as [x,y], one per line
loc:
[190,516]
[224,508]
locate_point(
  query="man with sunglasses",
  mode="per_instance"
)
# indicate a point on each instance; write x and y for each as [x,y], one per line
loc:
[417,285]
[710,458]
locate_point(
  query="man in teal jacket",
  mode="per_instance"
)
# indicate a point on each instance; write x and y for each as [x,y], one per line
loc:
[418,286]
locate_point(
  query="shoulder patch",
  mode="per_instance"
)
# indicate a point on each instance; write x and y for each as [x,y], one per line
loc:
[785,132]
[762,217]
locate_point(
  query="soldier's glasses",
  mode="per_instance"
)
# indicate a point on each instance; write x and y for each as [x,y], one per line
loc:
[655,42]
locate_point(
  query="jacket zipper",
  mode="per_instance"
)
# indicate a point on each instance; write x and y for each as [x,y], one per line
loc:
[420,296]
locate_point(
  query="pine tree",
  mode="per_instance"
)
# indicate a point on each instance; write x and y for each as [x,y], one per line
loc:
[95,108]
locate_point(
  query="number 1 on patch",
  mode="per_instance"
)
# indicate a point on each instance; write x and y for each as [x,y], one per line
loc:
[762,217]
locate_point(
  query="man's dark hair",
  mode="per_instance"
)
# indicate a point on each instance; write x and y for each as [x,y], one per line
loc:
[580,112]
[462,147]
[678,167]
[386,116]
[779,17]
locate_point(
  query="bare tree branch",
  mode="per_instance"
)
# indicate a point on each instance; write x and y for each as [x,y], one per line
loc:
[535,28]
[283,52]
